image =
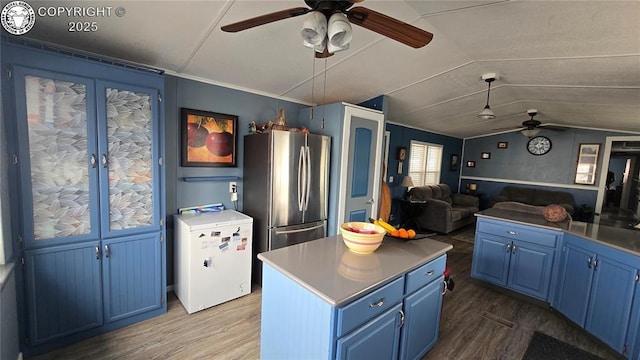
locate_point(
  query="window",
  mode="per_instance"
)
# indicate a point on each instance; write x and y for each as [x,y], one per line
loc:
[424,163]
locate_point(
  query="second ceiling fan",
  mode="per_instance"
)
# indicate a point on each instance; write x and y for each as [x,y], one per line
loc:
[532,126]
[361,16]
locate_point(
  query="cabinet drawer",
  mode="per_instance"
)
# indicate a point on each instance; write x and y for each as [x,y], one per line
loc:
[425,274]
[522,233]
[369,306]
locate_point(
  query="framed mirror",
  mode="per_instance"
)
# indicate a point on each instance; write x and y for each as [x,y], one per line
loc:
[587,164]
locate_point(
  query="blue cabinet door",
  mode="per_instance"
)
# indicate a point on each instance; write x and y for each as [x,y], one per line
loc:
[57,155]
[610,301]
[128,150]
[491,258]
[530,269]
[574,282]
[633,335]
[422,313]
[64,295]
[131,276]
[378,339]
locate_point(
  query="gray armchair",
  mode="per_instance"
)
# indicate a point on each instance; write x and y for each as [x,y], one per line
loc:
[443,211]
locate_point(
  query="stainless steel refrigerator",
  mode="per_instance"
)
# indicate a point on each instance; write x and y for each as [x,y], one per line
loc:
[286,187]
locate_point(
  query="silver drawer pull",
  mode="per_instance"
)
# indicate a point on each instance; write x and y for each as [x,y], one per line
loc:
[510,232]
[378,303]
[430,272]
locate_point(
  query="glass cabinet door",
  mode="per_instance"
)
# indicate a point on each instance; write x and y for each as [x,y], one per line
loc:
[128,118]
[57,156]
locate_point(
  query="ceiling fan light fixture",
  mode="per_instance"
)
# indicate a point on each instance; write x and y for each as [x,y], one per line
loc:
[339,32]
[530,132]
[314,30]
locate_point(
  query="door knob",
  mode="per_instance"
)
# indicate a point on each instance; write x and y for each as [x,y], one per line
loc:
[371,201]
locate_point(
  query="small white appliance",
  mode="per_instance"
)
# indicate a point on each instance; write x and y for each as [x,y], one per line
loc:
[212,258]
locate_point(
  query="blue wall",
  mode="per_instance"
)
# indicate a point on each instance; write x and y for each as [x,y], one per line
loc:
[514,165]
[402,136]
[179,93]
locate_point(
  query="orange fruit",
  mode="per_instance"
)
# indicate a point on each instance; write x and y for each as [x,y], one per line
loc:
[411,233]
[403,233]
[395,233]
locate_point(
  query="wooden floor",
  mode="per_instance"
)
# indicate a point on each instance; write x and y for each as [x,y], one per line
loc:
[477,323]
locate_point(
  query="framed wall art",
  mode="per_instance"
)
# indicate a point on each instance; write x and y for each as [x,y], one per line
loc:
[209,139]
[455,160]
[503,144]
[471,164]
[485,155]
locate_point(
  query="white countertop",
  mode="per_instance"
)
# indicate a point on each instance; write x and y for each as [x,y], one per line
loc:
[623,239]
[327,268]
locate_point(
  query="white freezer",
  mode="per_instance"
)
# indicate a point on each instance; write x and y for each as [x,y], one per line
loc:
[212,258]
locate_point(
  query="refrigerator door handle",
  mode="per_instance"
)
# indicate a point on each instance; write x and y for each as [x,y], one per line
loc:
[279,232]
[301,179]
[308,190]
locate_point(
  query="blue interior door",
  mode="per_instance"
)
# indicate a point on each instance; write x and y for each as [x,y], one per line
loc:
[364,153]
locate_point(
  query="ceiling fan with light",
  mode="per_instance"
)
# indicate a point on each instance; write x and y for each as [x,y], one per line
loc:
[532,127]
[327,28]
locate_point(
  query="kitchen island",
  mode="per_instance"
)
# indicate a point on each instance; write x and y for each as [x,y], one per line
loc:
[322,301]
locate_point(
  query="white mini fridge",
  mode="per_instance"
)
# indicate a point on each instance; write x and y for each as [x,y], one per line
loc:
[212,257]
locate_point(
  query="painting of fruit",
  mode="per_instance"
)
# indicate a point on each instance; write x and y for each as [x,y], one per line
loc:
[196,135]
[220,144]
[208,139]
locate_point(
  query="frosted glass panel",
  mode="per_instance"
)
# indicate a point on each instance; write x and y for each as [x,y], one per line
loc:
[129,137]
[57,123]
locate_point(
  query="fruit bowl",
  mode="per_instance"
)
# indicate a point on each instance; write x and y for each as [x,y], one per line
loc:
[362,237]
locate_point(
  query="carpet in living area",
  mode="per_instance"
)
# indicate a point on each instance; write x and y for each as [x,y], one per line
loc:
[544,347]
[466,234]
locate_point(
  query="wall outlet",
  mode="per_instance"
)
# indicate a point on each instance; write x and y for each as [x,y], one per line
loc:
[232,187]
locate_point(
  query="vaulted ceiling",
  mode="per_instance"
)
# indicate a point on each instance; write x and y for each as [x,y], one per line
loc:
[576,62]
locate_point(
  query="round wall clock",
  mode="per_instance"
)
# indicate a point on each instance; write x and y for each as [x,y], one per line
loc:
[402,153]
[539,145]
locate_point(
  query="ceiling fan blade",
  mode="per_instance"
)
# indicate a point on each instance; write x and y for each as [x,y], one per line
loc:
[553,127]
[265,19]
[389,27]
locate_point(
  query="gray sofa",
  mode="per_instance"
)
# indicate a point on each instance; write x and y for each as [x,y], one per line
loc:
[443,211]
[537,197]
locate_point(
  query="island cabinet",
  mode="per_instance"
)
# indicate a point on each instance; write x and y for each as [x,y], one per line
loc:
[394,319]
[633,336]
[515,256]
[595,289]
[86,145]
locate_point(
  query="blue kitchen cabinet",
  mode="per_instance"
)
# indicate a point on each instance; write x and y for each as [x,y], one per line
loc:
[595,289]
[131,276]
[63,290]
[574,282]
[633,335]
[377,339]
[421,326]
[87,140]
[514,256]
[491,258]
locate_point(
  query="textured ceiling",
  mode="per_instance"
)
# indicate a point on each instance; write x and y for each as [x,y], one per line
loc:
[576,62]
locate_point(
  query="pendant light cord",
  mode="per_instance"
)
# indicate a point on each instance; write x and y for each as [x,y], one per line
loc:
[489,91]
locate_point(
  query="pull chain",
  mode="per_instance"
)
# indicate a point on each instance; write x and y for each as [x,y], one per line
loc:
[324,91]
[313,82]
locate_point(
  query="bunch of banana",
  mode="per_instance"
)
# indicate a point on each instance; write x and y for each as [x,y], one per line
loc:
[388,227]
